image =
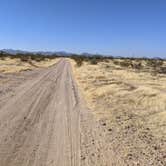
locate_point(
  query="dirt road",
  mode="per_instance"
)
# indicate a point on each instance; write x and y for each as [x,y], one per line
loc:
[39,126]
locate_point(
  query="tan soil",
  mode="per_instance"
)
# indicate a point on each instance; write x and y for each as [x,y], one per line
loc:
[39,124]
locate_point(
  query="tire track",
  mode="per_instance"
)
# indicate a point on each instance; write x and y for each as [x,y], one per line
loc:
[39,126]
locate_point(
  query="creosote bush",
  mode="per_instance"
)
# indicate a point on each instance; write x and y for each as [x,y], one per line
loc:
[27,56]
[93,61]
[79,59]
[154,63]
[126,63]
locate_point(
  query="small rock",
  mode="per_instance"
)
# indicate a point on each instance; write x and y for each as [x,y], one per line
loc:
[109,129]
[104,124]
[83,158]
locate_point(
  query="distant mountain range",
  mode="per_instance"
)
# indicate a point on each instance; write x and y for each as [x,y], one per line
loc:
[63,53]
[14,52]
[49,53]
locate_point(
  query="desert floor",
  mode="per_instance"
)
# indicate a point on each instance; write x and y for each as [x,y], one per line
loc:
[53,112]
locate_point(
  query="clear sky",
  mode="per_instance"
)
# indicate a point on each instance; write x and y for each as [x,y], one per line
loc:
[116,27]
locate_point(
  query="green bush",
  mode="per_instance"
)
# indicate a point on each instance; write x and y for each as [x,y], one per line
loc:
[93,61]
[78,59]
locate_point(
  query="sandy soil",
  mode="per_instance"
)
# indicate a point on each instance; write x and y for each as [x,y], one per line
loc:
[39,123]
[130,108]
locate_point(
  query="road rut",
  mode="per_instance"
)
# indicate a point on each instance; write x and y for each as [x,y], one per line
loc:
[40,125]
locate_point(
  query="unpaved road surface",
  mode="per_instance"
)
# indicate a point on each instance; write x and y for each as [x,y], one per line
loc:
[39,125]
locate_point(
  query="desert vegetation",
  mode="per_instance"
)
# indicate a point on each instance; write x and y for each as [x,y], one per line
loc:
[21,62]
[93,59]
[154,66]
[27,56]
[127,96]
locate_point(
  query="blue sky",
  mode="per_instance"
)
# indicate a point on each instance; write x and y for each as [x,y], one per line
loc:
[116,27]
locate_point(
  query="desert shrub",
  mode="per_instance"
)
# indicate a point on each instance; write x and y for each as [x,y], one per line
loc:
[51,57]
[132,63]
[12,57]
[3,55]
[2,58]
[106,60]
[137,65]
[162,70]
[154,63]
[37,57]
[79,62]
[94,61]
[125,63]
[78,59]
[116,62]
[107,66]
[156,66]
[24,58]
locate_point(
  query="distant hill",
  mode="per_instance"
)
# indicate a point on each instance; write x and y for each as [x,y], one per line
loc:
[14,52]
[64,53]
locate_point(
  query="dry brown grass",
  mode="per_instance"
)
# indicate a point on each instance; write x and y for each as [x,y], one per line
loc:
[8,65]
[132,101]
